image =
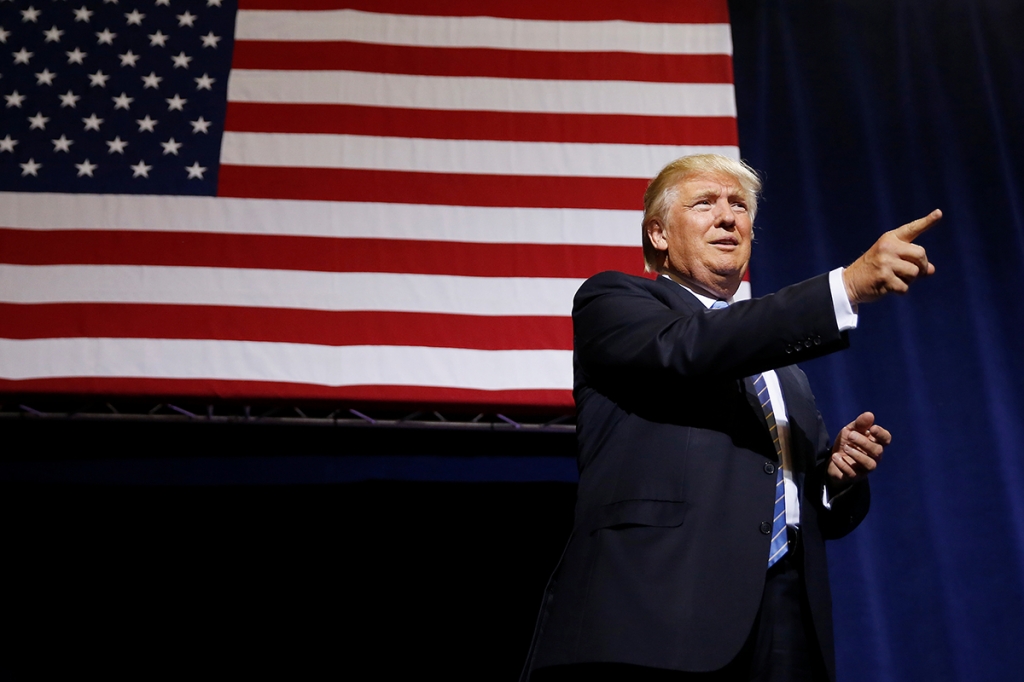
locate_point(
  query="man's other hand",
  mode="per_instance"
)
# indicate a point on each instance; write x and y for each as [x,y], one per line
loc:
[891,264]
[857,451]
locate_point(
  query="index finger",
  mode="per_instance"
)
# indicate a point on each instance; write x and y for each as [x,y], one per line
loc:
[881,435]
[915,229]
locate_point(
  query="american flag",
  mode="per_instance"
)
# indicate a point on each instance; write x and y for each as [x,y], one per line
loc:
[379,200]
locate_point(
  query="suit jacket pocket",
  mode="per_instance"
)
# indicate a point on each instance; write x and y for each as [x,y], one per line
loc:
[630,513]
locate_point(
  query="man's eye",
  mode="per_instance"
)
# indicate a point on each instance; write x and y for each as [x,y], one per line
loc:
[739,207]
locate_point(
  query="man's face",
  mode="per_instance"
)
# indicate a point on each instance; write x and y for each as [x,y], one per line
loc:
[708,235]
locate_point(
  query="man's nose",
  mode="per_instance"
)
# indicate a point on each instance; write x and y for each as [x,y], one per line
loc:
[725,217]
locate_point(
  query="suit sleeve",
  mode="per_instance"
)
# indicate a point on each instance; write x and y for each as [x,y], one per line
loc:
[631,326]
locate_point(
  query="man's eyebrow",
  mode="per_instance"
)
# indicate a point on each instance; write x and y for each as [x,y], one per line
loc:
[704,194]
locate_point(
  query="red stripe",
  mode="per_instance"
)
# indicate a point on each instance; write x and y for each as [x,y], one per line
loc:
[482,62]
[321,254]
[226,323]
[479,125]
[663,11]
[452,189]
[267,390]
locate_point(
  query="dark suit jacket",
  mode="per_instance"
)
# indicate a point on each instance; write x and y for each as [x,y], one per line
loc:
[667,560]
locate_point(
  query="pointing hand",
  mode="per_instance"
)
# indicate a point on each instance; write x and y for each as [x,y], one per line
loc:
[891,264]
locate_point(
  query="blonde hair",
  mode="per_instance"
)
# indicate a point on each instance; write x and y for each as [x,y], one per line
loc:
[662,191]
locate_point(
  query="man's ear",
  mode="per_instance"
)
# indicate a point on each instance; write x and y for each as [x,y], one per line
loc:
[656,233]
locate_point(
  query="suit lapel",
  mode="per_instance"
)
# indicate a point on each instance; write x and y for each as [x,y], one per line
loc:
[676,296]
[755,402]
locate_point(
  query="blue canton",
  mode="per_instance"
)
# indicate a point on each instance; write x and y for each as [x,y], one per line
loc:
[115,97]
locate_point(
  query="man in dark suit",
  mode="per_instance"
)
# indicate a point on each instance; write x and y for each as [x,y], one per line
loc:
[708,484]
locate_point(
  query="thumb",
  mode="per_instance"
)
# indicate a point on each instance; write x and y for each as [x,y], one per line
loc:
[864,422]
[915,229]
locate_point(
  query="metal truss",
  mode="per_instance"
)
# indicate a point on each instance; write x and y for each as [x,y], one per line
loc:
[363,416]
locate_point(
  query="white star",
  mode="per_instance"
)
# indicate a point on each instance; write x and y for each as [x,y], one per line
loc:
[135,17]
[14,99]
[76,56]
[176,103]
[3,35]
[122,101]
[53,35]
[38,121]
[109,2]
[45,77]
[186,19]
[151,81]
[68,99]
[93,122]
[195,171]
[30,168]
[200,125]
[166,3]
[210,40]
[158,38]
[116,145]
[204,82]
[105,37]
[99,78]
[7,144]
[83,14]
[22,56]
[146,123]
[141,169]
[213,3]
[170,147]
[128,58]
[62,144]
[86,168]
[30,14]
[181,60]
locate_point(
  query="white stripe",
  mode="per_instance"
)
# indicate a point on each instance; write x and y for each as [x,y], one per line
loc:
[492,32]
[482,94]
[287,289]
[34,210]
[455,156]
[778,552]
[287,362]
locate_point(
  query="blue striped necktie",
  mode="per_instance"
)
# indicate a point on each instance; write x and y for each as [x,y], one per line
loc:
[780,540]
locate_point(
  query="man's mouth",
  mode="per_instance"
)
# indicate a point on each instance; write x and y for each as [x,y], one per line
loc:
[726,243]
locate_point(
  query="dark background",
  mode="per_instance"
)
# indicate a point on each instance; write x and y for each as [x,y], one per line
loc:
[126,577]
[862,116]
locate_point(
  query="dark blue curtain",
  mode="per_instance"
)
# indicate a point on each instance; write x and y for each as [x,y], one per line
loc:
[864,115]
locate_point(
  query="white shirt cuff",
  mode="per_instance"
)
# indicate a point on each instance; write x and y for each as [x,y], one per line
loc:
[827,501]
[846,313]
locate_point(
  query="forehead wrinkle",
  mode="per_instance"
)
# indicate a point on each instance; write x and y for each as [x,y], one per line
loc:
[731,190]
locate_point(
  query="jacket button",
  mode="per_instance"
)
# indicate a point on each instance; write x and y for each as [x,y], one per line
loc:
[769,468]
[766,528]
[807,343]
[817,340]
[789,349]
